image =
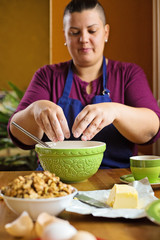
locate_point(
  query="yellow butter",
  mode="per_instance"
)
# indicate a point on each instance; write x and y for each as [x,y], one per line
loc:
[123,196]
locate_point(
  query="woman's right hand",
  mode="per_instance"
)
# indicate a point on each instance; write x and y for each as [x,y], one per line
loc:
[51,119]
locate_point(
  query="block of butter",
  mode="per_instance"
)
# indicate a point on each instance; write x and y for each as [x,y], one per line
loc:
[123,196]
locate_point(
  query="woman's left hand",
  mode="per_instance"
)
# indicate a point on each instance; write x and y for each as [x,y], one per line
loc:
[138,125]
[92,119]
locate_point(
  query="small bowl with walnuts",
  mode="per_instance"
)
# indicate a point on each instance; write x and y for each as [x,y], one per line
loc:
[36,193]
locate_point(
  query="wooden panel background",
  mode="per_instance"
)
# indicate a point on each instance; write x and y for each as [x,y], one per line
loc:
[24,40]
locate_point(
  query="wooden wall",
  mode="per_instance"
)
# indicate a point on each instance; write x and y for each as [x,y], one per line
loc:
[24,36]
[24,40]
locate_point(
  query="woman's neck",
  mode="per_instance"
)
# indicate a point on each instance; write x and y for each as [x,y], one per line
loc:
[89,73]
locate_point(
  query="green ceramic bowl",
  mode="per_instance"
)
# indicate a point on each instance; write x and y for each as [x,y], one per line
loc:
[145,166]
[72,161]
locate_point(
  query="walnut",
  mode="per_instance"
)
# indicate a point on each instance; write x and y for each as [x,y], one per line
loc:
[37,185]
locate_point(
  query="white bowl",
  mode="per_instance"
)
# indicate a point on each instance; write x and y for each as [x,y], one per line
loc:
[34,207]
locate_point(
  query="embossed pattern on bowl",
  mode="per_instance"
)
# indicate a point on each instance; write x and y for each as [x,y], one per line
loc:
[72,161]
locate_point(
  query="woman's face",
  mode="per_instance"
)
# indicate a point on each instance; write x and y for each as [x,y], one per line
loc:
[85,35]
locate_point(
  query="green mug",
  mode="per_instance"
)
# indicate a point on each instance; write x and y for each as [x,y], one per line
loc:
[145,166]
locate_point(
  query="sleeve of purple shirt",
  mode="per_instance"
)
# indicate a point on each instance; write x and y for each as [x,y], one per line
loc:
[127,84]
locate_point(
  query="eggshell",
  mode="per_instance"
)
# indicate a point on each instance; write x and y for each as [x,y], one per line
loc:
[83,235]
[21,226]
[58,231]
[43,220]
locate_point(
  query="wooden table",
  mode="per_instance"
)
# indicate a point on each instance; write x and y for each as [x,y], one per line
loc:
[105,228]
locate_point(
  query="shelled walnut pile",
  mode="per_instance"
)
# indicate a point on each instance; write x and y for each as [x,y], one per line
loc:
[37,185]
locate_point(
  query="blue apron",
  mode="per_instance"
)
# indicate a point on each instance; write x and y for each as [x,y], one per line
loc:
[118,148]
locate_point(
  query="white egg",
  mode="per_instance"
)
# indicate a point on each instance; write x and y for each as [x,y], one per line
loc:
[45,219]
[83,235]
[58,231]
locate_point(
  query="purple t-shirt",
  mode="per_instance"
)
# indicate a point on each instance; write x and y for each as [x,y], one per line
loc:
[126,81]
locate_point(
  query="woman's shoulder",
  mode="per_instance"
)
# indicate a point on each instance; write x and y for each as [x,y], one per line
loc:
[121,66]
[53,68]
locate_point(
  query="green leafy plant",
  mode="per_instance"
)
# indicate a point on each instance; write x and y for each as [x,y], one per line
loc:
[8,104]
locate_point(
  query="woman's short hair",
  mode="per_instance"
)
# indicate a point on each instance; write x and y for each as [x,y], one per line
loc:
[80,5]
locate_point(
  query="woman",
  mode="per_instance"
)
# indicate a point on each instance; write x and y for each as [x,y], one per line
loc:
[90,97]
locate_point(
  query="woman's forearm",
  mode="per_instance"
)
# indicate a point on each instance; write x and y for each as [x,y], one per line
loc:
[138,125]
[41,117]
[25,119]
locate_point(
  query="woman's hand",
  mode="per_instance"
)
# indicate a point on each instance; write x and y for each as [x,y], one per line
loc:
[51,120]
[138,125]
[92,119]
[38,118]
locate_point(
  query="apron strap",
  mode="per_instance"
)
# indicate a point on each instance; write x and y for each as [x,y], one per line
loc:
[68,84]
[105,90]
